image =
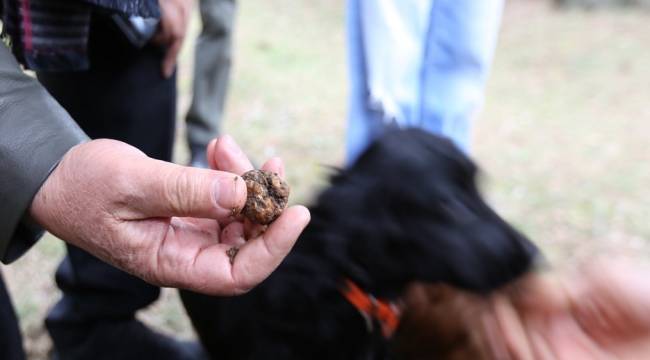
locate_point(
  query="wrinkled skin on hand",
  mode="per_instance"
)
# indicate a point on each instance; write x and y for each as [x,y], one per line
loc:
[168,224]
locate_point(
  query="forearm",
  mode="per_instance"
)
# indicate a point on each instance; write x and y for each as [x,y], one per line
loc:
[35,133]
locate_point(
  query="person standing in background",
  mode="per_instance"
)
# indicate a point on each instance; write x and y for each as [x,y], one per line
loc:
[418,64]
[212,64]
[110,199]
[114,73]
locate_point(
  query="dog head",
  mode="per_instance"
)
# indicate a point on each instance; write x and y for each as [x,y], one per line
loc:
[409,210]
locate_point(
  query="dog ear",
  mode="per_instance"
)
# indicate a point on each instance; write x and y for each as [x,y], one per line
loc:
[409,209]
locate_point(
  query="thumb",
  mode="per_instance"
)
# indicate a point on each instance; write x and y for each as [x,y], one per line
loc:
[259,257]
[169,61]
[165,189]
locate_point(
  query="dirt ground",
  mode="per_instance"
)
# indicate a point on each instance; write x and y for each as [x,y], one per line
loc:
[563,138]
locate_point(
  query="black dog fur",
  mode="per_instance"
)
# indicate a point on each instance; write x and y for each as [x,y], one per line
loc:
[408,210]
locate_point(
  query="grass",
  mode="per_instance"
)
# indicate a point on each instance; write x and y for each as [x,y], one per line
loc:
[563,138]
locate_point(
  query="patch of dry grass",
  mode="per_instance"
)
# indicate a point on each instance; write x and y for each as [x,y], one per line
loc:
[564,136]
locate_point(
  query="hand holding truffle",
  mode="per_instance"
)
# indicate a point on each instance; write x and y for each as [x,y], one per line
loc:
[170,225]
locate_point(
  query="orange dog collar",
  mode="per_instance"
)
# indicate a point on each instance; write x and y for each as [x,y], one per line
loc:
[372,309]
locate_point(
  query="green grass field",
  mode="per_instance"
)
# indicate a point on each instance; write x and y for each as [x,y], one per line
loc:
[563,139]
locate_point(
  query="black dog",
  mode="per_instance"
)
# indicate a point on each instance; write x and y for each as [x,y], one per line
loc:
[407,211]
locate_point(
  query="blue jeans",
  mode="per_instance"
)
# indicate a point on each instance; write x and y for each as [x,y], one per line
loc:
[418,63]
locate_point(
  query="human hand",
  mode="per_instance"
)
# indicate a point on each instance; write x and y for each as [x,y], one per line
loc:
[602,312]
[168,224]
[174,20]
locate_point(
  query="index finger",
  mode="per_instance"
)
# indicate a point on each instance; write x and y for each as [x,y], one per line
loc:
[224,154]
[169,61]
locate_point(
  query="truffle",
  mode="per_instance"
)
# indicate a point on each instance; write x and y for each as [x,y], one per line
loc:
[267,196]
[232,252]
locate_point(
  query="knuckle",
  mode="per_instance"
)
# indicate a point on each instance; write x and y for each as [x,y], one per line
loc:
[240,289]
[176,191]
[122,181]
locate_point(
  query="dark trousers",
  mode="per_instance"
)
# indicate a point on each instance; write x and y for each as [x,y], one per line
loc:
[11,346]
[124,97]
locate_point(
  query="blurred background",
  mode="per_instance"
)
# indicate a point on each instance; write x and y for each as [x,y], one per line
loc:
[563,139]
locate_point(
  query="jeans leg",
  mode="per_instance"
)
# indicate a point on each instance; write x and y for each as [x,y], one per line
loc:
[364,124]
[459,50]
[212,64]
[442,92]
[386,45]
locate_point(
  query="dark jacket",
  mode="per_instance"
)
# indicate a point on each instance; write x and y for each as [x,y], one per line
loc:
[52,35]
[35,132]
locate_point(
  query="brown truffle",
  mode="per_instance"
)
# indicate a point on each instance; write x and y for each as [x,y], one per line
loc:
[267,196]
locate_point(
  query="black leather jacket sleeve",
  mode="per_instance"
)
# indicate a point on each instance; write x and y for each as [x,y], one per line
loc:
[35,133]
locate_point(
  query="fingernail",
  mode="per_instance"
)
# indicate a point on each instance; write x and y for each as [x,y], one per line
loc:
[167,70]
[211,145]
[230,193]
[227,138]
